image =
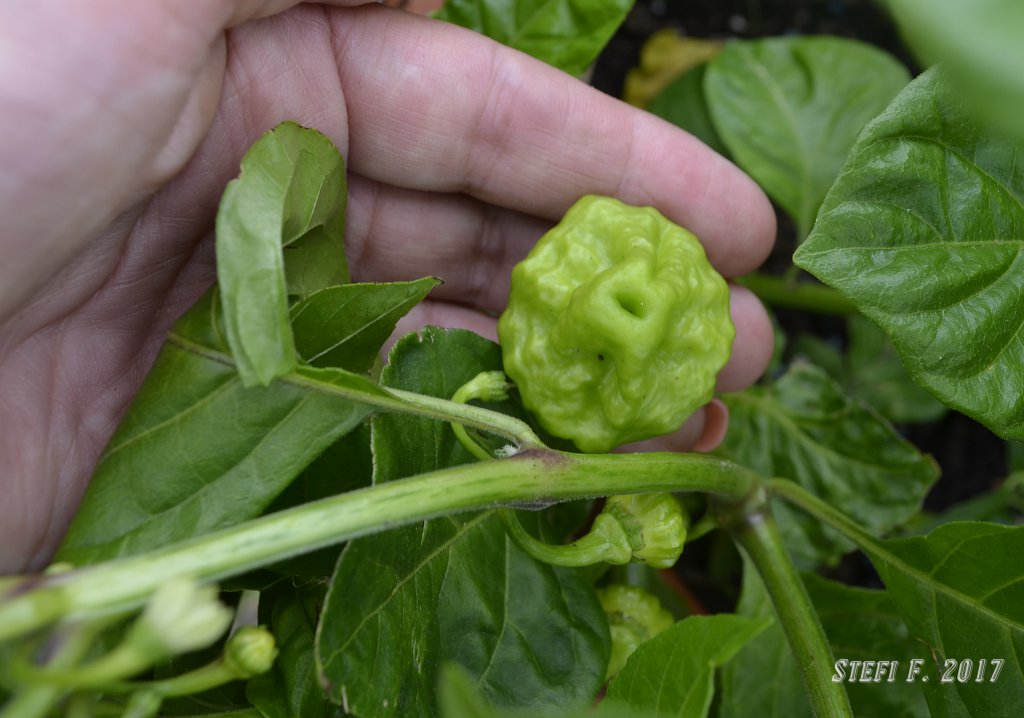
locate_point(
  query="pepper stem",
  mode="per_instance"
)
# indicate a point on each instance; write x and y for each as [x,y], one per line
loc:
[485,386]
[606,541]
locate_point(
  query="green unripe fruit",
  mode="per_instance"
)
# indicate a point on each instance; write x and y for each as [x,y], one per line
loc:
[616,326]
[655,525]
[634,616]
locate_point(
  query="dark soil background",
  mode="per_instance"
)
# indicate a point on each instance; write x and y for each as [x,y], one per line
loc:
[973,460]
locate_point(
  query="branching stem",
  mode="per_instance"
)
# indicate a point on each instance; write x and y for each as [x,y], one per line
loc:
[534,478]
[758,535]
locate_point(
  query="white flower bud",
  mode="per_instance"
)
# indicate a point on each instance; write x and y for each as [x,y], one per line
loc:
[182,616]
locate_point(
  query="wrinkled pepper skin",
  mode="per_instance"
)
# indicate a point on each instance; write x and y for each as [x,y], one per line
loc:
[655,525]
[616,325]
[634,616]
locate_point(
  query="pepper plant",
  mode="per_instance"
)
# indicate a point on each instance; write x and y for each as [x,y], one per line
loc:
[413,541]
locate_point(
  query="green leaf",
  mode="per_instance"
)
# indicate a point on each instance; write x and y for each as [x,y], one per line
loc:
[291,195]
[459,698]
[924,231]
[1003,504]
[861,624]
[291,689]
[453,589]
[804,428]
[568,34]
[872,372]
[197,451]
[673,673]
[789,109]
[345,326]
[980,42]
[345,466]
[683,104]
[1015,456]
[960,590]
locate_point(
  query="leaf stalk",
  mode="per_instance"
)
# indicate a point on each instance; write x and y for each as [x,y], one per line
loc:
[787,293]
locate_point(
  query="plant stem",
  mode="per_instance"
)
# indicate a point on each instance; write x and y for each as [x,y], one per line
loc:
[798,496]
[704,526]
[758,535]
[201,679]
[811,297]
[422,405]
[530,479]
[37,700]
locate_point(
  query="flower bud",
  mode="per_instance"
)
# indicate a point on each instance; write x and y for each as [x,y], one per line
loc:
[250,651]
[182,616]
[485,386]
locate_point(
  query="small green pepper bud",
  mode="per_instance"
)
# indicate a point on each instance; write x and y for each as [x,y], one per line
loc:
[634,616]
[616,325]
[655,524]
[250,651]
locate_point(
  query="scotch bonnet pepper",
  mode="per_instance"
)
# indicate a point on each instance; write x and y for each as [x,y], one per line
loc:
[616,325]
[655,526]
[634,616]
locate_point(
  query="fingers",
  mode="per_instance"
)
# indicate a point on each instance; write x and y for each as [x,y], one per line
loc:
[398,234]
[702,432]
[395,234]
[437,108]
[755,340]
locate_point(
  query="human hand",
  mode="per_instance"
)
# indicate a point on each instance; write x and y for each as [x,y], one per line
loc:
[124,121]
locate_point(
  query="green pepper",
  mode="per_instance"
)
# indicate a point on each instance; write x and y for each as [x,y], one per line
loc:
[655,525]
[634,616]
[616,325]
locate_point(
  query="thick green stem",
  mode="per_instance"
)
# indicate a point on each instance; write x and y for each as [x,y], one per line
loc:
[758,535]
[789,294]
[529,479]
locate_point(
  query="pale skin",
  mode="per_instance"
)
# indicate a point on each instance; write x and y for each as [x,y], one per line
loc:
[122,123]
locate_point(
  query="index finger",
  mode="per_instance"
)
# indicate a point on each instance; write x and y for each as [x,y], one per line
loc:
[438,108]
